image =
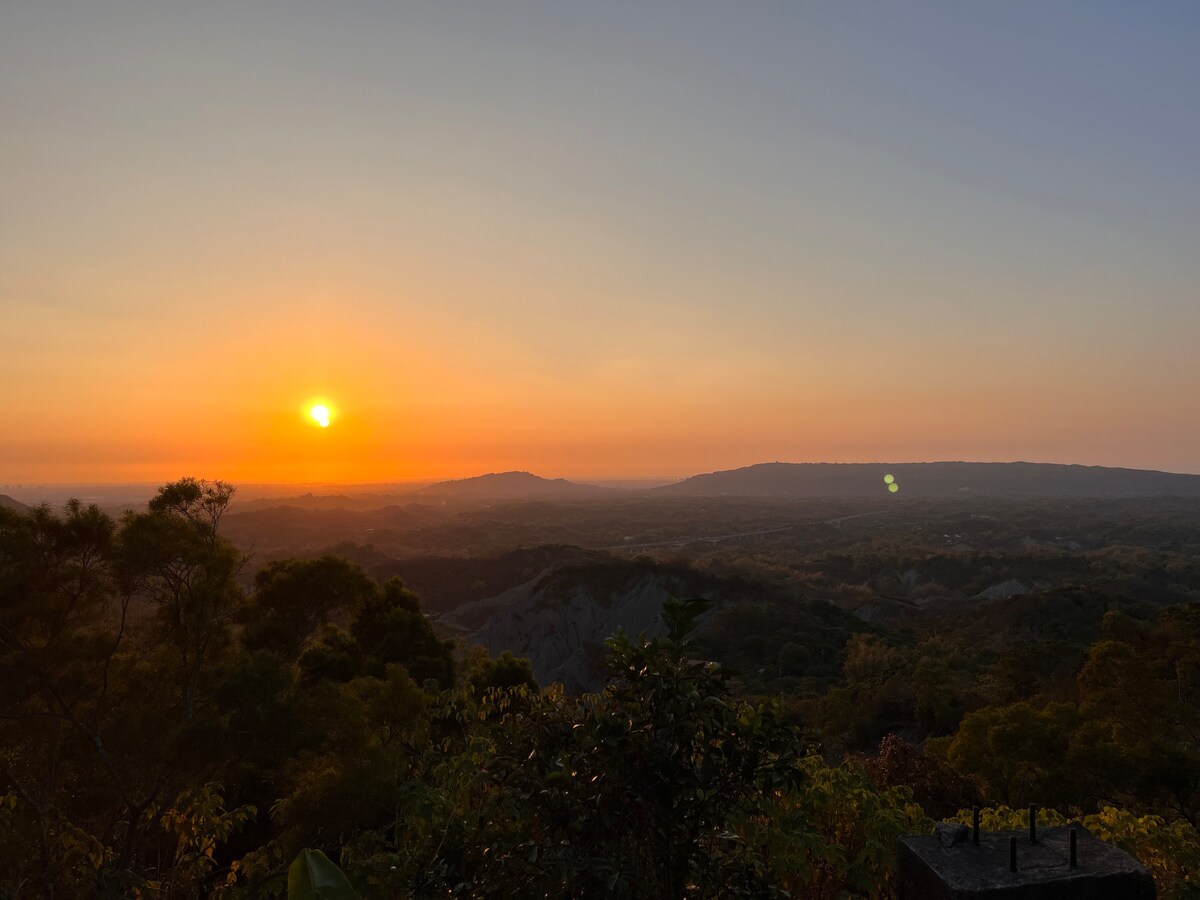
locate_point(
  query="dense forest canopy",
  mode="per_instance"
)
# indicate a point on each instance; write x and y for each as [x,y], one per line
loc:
[180,720]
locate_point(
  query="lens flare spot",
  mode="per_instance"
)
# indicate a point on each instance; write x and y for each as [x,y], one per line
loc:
[889,479]
[893,487]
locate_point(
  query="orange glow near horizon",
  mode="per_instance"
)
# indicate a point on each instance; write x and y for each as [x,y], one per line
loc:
[457,402]
[798,258]
[453,417]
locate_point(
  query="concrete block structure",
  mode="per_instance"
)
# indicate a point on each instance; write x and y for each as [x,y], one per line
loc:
[981,868]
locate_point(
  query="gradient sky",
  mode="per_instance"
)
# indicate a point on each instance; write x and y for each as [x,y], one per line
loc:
[621,238]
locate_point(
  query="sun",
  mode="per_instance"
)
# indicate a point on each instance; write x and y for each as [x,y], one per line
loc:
[320,414]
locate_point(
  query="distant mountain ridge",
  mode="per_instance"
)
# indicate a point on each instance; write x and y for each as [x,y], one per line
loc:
[775,479]
[933,479]
[311,501]
[512,486]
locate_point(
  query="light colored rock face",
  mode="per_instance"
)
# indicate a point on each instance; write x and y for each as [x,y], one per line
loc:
[561,626]
[1004,590]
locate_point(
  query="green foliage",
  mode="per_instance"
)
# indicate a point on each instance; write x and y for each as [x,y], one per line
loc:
[782,645]
[1129,736]
[334,656]
[504,672]
[933,783]
[172,558]
[1140,699]
[293,597]
[187,835]
[198,501]
[180,841]
[130,713]
[660,768]
[1169,849]
[644,790]
[312,876]
[1024,670]
[1018,752]
[390,628]
[148,708]
[835,833]
[108,638]
[1004,818]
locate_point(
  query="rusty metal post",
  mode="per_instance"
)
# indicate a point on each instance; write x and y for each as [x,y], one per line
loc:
[975,825]
[1032,824]
[1074,859]
[1012,853]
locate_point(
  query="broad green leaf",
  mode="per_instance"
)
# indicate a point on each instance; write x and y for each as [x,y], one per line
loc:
[312,876]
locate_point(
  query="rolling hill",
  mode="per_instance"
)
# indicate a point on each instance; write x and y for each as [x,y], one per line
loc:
[512,486]
[7,502]
[933,479]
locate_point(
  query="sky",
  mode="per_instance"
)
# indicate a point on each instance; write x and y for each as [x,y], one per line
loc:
[584,239]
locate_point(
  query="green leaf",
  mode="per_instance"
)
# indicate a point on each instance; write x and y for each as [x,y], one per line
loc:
[312,876]
[681,615]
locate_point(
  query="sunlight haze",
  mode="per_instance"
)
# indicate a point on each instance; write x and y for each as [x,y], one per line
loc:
[581,238]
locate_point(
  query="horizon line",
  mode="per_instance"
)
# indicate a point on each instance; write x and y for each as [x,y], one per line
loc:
[581,479]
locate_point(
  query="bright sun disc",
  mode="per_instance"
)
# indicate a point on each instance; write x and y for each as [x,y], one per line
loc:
[320,415]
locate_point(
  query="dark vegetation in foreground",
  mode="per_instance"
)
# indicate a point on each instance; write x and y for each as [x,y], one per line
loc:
[173,725]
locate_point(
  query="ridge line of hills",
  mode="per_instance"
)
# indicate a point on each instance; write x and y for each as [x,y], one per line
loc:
[7,502]
[781,480]
[934,479]
[801,480]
